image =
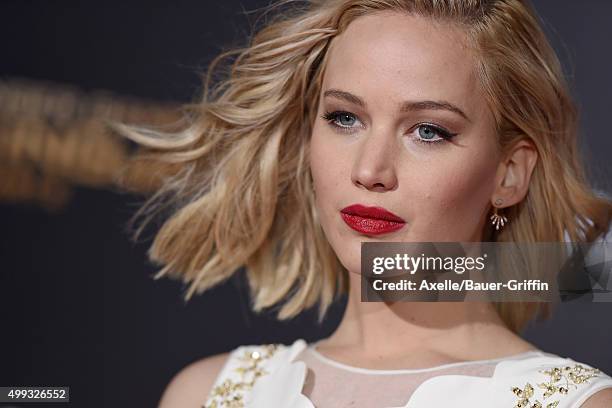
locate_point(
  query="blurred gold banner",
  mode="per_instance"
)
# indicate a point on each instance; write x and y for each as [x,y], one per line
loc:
[55,136]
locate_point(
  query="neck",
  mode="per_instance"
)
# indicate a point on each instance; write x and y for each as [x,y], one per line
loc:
[395,329]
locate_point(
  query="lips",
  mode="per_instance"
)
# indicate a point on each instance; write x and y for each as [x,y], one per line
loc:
[371,220]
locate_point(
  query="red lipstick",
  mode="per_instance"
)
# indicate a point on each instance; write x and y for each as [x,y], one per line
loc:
[371,220]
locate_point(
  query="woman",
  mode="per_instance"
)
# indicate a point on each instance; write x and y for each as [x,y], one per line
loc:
[444,113]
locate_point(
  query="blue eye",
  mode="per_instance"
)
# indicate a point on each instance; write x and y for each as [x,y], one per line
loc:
[343,121]
[426,132]
[344,118]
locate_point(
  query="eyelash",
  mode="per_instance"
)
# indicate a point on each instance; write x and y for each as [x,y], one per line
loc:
[332,117]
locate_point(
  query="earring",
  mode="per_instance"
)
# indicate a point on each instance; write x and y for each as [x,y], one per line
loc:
[497,219]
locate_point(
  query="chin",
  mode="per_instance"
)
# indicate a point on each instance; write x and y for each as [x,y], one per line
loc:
[349,254]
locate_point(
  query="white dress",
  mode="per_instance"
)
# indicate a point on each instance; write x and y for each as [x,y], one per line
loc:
[298,376]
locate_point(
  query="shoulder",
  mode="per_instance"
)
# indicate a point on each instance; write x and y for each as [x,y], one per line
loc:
[600,399]
[190,386]
[550,379]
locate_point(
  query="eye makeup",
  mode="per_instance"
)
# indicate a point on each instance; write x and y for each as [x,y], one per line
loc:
[344,121]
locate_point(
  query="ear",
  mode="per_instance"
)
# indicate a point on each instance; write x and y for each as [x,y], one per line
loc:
[514,173]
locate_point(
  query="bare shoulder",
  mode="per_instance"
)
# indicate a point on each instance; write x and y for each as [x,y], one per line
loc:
[190,386]
[601,399]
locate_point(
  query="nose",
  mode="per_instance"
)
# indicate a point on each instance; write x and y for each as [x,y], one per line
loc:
[374,164]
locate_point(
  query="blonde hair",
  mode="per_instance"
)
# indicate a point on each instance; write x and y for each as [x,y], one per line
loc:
[244,194]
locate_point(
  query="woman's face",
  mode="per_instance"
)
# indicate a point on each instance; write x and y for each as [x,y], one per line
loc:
[406,128]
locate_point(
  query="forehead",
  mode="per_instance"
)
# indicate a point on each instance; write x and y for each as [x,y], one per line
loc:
[388,57]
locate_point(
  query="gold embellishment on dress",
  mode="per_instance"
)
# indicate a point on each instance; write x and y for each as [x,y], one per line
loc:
[230,393]
[558,382]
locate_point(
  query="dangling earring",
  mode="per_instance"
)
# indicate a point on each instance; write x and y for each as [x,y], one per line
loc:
[497,219]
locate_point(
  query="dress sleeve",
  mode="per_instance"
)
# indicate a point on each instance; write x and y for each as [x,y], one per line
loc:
[595,384]
[245,364]
[222,385]
[572,383]
[554,382]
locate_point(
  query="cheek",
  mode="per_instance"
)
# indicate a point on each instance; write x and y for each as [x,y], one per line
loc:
[455,195]
[461,187]
[326,167]
[316,151]
[330,169]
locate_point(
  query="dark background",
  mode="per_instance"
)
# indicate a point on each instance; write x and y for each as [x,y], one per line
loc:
[78,306]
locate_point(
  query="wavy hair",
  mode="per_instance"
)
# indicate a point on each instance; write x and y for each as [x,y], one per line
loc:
[244,197]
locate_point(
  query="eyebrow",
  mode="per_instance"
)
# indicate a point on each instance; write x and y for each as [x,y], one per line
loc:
[407,106]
